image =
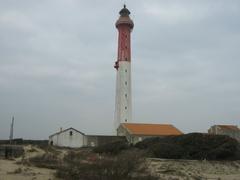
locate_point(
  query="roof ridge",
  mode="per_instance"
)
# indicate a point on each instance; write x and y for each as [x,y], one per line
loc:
[61,131]
[149,123]
[227,125]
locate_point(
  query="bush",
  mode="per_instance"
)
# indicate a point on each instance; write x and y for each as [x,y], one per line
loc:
[46,160]
[74,157]
[193,146]
[227,150]
[164,150]
[124,166]
[112,148]
[146,143]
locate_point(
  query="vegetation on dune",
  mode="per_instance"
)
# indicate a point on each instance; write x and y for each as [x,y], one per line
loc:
[192,146]
[112,148]
[119,160]
[47,160]
[127,166]
[166,150]
[196,146]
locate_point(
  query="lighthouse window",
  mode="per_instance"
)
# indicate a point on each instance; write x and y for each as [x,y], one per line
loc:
[125,107]
[126,95]
[125,120]
[125,82]
[125,70]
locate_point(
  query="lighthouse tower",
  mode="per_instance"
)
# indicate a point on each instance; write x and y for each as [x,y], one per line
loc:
[123,106]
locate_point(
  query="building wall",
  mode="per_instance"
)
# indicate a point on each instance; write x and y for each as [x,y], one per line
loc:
[132,139]
[93,140]
[220,131]
[68,138]
[121,131]
[77,139]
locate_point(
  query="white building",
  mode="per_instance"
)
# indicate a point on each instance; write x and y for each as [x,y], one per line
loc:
[68,138]
[73,138]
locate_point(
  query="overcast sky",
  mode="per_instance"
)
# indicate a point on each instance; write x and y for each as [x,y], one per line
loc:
[57,57]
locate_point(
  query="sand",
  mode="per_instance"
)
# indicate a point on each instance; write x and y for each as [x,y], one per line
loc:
[9,170]
[15,170]
[193,169]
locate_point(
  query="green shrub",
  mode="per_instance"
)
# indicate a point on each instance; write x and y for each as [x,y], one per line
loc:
[125,166]
[192,146]
[149,142]
[164,150]
[46,160]
[112,148]
[227,150]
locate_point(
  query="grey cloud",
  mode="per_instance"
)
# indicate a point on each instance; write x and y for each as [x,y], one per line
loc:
[56,65]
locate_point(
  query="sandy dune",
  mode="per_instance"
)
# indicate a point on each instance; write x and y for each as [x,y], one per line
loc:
[15,170]
[163,168]
[202,170]
[9,170]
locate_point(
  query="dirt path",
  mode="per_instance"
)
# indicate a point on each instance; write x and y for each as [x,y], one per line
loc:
[15,170]
[9,170]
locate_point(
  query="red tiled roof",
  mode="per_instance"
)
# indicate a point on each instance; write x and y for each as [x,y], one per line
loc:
[229,127]
[151,129]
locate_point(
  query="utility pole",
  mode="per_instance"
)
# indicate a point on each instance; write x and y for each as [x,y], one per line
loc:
[11,130]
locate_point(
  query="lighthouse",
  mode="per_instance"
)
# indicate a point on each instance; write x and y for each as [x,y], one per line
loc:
[123,100]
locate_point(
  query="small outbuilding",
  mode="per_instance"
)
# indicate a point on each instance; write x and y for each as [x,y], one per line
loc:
[68,138]
[73,138]
[229,130]
[135,132]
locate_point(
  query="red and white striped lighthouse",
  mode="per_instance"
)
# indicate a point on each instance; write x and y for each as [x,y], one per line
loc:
[123,106]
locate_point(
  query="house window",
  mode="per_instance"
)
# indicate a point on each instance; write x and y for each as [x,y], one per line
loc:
[70,133]
[125,120]
[92,144]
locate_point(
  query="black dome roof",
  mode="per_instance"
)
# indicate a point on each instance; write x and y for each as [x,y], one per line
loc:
[124,11]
